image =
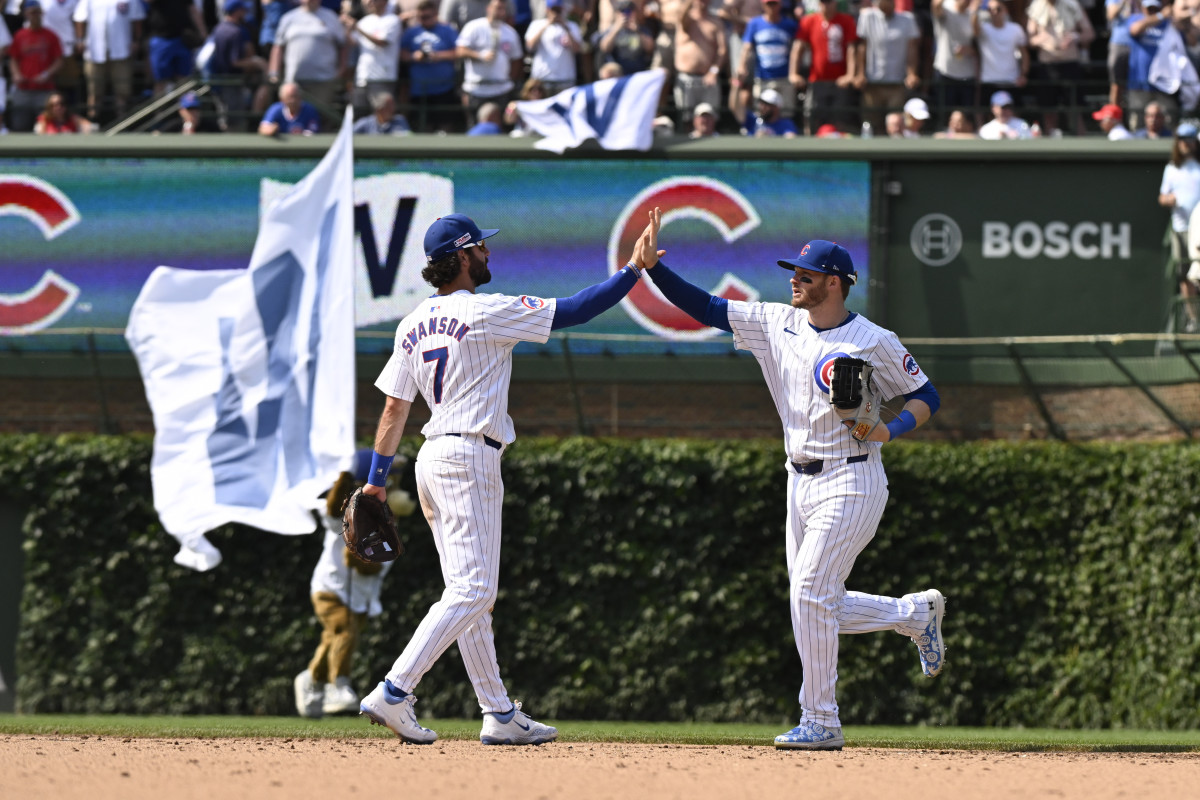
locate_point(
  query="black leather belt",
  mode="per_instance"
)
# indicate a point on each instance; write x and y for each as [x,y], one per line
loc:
[492,443]
[814,467]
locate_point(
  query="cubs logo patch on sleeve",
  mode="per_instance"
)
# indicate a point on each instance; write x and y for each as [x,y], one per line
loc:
[910,365]
[532,302]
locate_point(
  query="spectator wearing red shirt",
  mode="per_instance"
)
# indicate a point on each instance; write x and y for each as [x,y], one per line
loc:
[829,93]
[36,54]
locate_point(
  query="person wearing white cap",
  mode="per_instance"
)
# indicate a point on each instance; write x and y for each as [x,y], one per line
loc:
[768,118]
[1005,125]
[916,111]
[704,122]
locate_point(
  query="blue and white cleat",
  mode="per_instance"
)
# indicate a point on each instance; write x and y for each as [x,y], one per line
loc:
[811,736]
[388,707]
[930,644]
[515,727]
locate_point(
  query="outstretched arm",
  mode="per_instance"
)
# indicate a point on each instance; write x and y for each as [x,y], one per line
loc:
[698,304]
[594,300]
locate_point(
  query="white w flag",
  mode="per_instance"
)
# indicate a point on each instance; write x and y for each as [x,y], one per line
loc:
[617,112]
[250,373]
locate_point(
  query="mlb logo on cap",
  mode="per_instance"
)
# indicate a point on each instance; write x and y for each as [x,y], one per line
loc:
[820,255]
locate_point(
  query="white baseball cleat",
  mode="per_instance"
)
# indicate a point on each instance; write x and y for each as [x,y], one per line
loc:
[930,644]
[310,696]
[515,727]
[386,707]
[811,736]
[340,697]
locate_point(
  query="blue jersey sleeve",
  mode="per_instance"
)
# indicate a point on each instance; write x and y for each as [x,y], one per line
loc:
[691,300]
[928,395]
[592,301]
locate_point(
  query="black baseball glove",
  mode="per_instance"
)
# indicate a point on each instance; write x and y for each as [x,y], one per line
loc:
[853,396]
[369,529]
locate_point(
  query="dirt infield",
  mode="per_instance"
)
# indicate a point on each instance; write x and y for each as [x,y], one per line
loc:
[106,768]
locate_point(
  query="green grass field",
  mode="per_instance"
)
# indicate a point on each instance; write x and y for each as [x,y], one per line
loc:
[921,738]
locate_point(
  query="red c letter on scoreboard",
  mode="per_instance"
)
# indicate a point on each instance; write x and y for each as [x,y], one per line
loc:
[53,213]
[701,198]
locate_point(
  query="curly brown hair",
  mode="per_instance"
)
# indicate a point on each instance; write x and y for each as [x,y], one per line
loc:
[443,271]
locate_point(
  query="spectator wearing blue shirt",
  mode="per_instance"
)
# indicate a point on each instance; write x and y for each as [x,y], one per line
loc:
[1157,124]
[1145,33]
[290,115]
[272,12]
[1118,13]
[769,119]
[430,49]
[767,44]
[489,121]
[384,119]
[233,62]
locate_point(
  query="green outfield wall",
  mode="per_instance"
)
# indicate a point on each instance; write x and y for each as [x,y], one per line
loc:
[951,238]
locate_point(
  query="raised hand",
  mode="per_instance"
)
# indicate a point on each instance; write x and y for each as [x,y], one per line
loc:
[645,251]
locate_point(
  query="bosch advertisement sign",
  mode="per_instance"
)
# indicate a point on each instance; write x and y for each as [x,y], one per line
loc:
[1025,249]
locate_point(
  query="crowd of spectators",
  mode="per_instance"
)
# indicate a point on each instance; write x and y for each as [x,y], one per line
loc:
[903,68]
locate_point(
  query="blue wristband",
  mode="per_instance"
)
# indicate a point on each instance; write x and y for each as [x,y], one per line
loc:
[380,466]
[902,424]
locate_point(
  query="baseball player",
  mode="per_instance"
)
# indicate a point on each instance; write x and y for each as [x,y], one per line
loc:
[456,350]
[836,486]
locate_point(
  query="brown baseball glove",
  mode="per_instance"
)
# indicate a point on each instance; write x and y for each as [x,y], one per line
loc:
[369,529]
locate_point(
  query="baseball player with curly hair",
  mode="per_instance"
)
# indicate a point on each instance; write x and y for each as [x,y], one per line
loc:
[836,485]
[456,350]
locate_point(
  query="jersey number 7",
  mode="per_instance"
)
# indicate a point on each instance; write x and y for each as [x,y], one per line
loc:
[441,355]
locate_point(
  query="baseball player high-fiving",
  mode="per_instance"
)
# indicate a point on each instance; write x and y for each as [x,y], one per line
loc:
[456,350]
[836,487]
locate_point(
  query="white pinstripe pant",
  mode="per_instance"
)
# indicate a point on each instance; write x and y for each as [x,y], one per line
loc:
[831,518]
[461,493]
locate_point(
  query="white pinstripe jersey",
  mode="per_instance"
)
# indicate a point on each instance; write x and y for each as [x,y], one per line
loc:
[457,351]
[797,360]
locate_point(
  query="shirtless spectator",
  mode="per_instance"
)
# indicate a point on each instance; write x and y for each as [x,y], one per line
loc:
[699,54]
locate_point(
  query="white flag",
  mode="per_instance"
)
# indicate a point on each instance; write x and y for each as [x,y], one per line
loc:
[250,373]
[617,112]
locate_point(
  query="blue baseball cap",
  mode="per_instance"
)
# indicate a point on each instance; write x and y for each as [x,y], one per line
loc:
[234,6]
[453,232]
[1187,131]
[822,256]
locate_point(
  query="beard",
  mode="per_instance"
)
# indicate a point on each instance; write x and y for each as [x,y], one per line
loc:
[478,269]
[814,295]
